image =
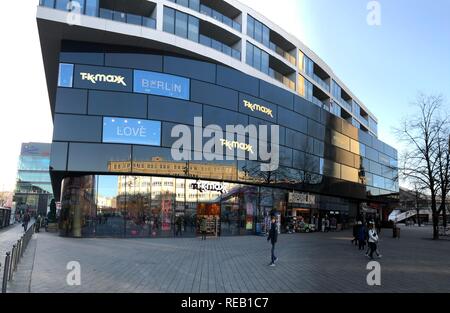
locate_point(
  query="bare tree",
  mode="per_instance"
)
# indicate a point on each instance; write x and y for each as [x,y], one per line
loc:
[443,157]
[420,162]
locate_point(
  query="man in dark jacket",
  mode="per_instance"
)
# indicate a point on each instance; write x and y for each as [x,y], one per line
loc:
[273,236]
[26,220]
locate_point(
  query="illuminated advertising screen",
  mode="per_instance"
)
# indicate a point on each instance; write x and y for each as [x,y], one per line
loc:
[161,84]
[132,131]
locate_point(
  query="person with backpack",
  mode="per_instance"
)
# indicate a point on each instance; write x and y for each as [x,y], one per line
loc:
[273,237]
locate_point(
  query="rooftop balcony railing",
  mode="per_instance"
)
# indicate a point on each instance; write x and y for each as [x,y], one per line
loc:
[321,82]
[282,79]
[106,14]
[286,55]
[345,104]
[220,17]
[127,18]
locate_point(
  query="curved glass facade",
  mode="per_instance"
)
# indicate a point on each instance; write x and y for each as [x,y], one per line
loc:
[115,129]
[153,206]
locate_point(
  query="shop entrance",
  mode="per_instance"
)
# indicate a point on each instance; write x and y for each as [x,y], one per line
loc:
[210,212]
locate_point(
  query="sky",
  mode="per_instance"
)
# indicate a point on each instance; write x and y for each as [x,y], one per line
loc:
[384,65]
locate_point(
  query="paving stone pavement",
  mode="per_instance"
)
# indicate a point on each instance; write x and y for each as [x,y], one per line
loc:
[9,237]
[318,262]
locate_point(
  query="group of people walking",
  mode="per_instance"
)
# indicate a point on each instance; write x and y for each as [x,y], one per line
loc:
[39,222]
[366,233]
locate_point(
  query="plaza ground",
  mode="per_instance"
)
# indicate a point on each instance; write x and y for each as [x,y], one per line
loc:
[317,262]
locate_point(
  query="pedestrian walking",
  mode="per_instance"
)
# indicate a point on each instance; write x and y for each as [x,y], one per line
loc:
[362,236]
[203,228]
[26,220]
[273,237]
[178,226]
[38,223]
[356,228]
[373,241]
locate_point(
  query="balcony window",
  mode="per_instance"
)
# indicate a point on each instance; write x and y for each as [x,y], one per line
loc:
[257,58]
[258,31]
[194,5]
[249,54]
[193,28]
[181,20]
[184,3]
[169,20]
[250,26]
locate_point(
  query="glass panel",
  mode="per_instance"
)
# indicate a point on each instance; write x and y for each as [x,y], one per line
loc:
[184,3]
[265,62]
[106,14]
[78,206]
[228,21]
[216,15]
[205,40]
[28,162]
[193,28]
[216,45]
[34,176]
[91,7]
[349,173]
[194,5]
[134,19]
[250,26]
[65,78]
[266,36]
[257,58]
[62,5]
[231,213]
[258,31]
[181,24]
[340,140]
[111,205]
[149,22]
[169,20]
[119,16]
[48,3]
[249,54]
[162,206]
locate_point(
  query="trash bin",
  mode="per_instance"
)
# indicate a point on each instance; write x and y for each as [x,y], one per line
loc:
[394,232]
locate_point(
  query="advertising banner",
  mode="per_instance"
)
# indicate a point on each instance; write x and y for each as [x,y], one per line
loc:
[161,84]
[132,131]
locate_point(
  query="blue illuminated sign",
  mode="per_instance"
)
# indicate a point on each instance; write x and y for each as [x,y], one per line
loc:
[161,84]
[132,131]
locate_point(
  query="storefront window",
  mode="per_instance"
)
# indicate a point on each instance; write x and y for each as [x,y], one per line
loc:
[78,210]
[111,204]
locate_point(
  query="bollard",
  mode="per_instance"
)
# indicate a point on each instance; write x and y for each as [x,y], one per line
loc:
[5,272]
[11,262]
[16,257]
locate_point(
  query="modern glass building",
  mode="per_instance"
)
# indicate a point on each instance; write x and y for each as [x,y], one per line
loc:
[127,78]
[33,188]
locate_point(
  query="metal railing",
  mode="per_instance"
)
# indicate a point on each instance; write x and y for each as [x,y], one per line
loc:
[13,257]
